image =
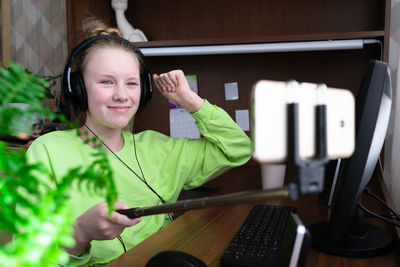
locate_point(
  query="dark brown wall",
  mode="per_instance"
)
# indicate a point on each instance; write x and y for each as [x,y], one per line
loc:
[179,22]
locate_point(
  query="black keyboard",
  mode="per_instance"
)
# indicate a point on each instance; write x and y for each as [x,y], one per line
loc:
[258,241]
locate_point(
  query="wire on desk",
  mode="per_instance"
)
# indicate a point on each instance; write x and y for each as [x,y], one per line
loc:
[383,218]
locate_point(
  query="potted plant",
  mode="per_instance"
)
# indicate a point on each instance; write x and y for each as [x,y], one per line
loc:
[36,215]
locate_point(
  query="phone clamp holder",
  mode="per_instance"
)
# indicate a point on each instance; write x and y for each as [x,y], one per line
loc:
[308,175]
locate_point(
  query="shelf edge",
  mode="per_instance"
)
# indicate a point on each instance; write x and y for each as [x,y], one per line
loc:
[263,39]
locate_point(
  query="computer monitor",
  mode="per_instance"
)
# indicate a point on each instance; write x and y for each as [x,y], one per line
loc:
[346,233]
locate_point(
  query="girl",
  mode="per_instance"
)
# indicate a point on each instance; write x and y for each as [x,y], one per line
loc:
[105,83]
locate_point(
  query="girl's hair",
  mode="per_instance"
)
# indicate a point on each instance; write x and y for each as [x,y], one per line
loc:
[92,26]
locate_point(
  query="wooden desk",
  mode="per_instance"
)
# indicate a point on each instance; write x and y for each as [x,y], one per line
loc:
[205,233]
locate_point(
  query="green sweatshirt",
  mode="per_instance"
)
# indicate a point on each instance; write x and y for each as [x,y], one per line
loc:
[168,164]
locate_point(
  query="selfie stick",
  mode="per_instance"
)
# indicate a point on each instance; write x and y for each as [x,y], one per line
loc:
[198,203]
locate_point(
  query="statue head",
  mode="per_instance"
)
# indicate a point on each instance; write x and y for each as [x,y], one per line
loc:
[119,4]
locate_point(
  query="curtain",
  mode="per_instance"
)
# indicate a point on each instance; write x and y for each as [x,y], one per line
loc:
[391,164]
[39,35]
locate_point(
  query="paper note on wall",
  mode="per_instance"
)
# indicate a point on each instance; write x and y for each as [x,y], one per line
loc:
[182,124]
[242,119]
[231,91]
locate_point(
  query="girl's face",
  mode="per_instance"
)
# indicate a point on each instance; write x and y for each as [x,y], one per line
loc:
[112,80]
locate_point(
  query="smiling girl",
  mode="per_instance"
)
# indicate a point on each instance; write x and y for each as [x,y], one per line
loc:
[104,81]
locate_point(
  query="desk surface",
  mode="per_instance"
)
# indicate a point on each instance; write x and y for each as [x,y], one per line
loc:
[205,233]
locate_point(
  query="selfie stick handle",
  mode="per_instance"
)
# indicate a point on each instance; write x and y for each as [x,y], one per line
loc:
[198,203]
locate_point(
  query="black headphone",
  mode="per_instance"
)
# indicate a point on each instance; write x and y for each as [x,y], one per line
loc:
[73,86]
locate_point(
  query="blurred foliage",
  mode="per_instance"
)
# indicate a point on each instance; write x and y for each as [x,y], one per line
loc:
[37,214]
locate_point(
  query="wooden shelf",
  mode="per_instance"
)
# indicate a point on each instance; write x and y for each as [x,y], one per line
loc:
[205,22]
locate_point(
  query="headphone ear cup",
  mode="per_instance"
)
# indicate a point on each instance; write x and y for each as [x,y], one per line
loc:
[146,89]
[78,90]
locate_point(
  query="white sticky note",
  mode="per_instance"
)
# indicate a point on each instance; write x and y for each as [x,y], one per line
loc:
[231,91]
[182,124]
[242,119]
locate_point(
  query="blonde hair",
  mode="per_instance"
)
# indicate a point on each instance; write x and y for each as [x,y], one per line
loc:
[92,26]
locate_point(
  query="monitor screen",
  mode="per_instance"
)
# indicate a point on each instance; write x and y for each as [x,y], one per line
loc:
[345,233]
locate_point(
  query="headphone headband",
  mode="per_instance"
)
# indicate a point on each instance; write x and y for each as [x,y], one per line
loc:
[73,87]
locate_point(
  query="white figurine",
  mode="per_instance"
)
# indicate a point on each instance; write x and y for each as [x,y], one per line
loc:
[128,32]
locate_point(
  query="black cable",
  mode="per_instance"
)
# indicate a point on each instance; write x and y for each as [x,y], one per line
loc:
[384,203]
[137,160]
[142,179]
[122,242]
[369,192]
[378,216]
[392,211]
[140,168]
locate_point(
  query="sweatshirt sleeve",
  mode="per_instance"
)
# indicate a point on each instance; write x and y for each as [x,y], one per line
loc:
[224,145]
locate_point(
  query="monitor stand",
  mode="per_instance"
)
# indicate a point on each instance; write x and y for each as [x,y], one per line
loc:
[362,240]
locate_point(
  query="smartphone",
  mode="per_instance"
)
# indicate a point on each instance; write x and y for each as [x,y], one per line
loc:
[269,102]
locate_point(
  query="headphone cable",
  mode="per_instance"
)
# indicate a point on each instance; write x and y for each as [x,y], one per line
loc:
[142,179]
[122,242]
[170,215]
